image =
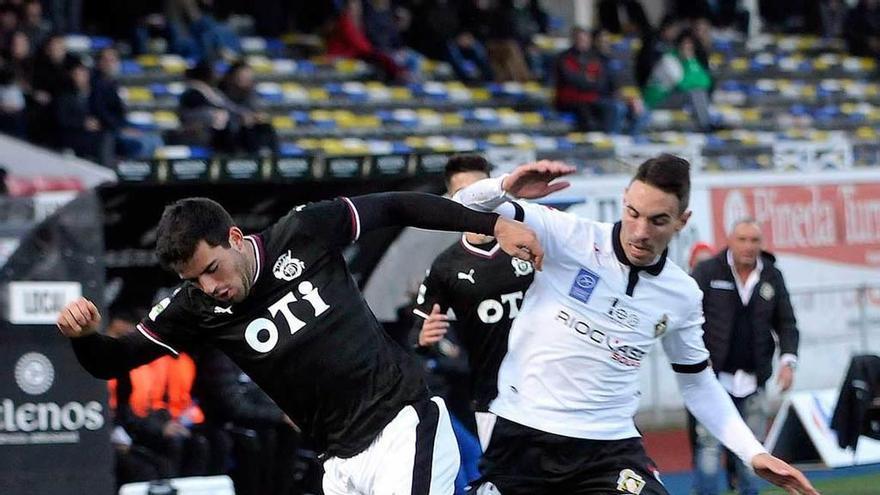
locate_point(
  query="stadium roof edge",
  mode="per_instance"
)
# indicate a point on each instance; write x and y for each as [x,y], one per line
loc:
[24,160]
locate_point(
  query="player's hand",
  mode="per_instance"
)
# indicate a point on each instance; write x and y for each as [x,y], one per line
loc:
[786,378]
[79,318]
[533,180]
[434,327]
[173,429]
[518,240]
[781,474]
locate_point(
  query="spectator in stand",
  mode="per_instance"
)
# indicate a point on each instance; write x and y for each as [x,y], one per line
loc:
[12,104]
[505,44]
[475,17]
[78,128]
[586,86]
[48,83]
[863,29]
[8,21]
[434,24]
[832,18]
[702,30]
[531,20]
[205,115]
[347,39]
[33,23]
[66,15]
[447,30]
[655,44]
[49,68]
[383,25]
[111,112]
[194,32]
[623,17]
[18,55]
[681,71]
[721,13]
[16,73]
[209,118]
[239,87]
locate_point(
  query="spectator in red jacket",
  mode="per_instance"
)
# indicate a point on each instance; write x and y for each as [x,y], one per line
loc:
[348,39]
[586,86]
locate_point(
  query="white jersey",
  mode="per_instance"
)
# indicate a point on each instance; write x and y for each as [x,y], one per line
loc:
[586,324]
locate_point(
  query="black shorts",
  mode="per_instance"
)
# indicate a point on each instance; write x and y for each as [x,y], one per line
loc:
[522,460]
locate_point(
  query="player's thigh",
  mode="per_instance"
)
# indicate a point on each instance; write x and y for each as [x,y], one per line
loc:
[420,455]
[621,467]
[518,461]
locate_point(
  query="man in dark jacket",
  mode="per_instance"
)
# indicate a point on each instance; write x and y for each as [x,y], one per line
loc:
[110,110]
[745,304]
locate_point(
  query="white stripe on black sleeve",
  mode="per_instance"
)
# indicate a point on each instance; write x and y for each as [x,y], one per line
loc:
[355,220]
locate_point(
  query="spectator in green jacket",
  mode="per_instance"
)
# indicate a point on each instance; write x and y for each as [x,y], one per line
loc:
[680,70]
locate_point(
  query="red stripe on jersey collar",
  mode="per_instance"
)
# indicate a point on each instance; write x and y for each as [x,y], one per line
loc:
[260,258]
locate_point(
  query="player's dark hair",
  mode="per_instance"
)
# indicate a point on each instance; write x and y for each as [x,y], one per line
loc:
[669,173]
[186,222]
[466,163]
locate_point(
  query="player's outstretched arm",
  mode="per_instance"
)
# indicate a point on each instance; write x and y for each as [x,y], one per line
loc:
[712,407]
[102,356]
[428,211]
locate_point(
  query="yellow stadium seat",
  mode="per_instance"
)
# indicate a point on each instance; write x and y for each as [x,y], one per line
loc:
[148,60]
[138,94]
[282,122]
[401,94]
[532,118]
[452,120]
[481,94]
[866,133]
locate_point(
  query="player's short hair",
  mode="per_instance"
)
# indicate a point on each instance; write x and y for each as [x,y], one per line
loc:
[466,163]
[669,173]
[186,222]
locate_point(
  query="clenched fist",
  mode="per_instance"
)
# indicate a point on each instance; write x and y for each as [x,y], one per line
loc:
[79,318]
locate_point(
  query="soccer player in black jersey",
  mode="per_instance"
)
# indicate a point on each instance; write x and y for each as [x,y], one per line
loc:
[484,287]
[283,306]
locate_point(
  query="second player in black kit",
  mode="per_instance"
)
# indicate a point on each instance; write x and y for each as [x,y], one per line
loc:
[485,287]
[299,327]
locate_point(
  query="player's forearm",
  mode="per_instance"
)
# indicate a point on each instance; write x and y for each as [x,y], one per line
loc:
[427,211]
[106,357]
[711,405]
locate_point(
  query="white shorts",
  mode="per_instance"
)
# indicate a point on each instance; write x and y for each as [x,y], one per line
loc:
[485,424]
[416,454]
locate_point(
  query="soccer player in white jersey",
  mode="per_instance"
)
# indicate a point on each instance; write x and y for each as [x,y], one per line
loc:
[568,386]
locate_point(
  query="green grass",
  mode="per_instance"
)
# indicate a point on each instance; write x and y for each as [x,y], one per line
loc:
[856,485]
